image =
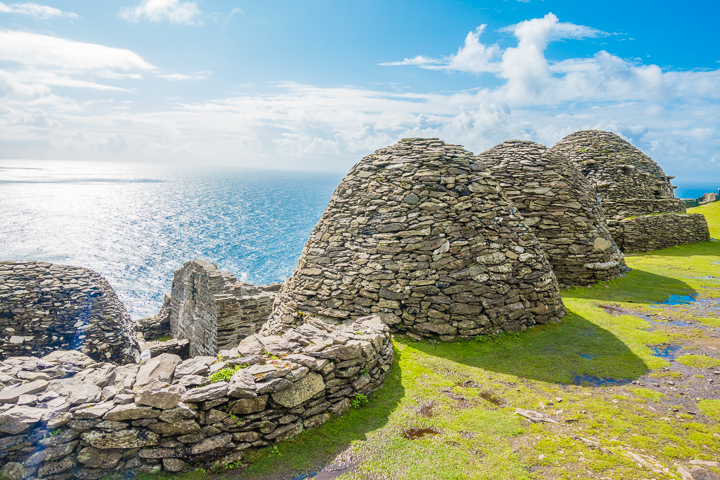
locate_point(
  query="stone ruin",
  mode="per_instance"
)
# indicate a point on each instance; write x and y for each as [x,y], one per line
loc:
[64,416]
[421,234]
[46,307]
[631,186]
[561,209]
[212,309]
[419,238]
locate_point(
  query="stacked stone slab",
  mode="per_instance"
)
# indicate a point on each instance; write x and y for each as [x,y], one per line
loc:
[631,185]
[64,416]
[45,307]
[422,235]
[560,207]
[213,310]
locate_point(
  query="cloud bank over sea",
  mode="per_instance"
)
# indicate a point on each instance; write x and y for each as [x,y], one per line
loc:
[64,98]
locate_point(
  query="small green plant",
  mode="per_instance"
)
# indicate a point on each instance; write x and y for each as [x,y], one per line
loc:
[233,466]
[225,374]
[359,400]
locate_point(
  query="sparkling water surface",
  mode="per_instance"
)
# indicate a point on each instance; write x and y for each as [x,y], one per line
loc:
[136,224]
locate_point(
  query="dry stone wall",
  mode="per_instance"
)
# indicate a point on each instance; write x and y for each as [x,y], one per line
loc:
[560,207]
[64,416]
[213,310]
[421,234]
[653,232]
[46,307]
[628,181]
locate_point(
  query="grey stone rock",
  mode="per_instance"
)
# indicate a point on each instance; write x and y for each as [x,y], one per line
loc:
[162,398]
[84,393]
[11,394]
[180,427]
[301,391]
[129,438]
[211,443]
[181,412]
[92,457]
[246,406]
[189,381]
[174,465]
[194,366]
[209,392]
[19,419]
[130,411]
[242,384]
[157,371]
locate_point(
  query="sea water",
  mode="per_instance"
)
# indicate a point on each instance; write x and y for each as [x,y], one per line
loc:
[136,224]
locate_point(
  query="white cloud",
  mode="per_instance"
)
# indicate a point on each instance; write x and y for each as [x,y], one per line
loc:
[180,76]
[34,10]
[35,62]
[175,11]
[235,10]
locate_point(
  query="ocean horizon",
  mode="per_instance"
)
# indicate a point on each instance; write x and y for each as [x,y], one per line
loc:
[137,223]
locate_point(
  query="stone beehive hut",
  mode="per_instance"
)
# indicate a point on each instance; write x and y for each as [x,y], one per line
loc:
[46,307]
[213,310]
[560,207]
[423,236]
[628,181]
[632,186]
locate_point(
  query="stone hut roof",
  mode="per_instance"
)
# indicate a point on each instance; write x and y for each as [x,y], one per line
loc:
[422,235]
[560,207]
[628,181]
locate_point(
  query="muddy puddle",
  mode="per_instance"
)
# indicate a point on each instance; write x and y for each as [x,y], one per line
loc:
[417,433]
[594,381]
[667,350]
[678,300]
[427,410]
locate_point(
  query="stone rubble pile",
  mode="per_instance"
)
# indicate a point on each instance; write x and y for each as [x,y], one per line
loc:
[213,310]
[65,416]
[46,307]
[632,186]
[561,209]
[421,234]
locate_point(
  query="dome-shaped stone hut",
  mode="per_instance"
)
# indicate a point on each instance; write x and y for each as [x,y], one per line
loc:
[634,190]
[422,235]
[560,207]
[628,181]
[46,307]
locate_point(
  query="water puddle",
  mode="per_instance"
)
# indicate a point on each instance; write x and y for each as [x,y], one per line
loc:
[678,300]
[594,381]
[416,433]
[666,350]
[589,357]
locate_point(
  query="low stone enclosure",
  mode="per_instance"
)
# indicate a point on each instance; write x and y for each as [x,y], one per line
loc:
[421,238]
[46,307]
[167,413]
[560,207]
[421,234]
[631,186]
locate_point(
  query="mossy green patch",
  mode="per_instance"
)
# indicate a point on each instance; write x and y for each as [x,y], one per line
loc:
[698,361]
[647,393]
[711,408]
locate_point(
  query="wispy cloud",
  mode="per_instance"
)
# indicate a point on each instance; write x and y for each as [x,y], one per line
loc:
[38,61]
[34,10]
[174,11]
[180,76]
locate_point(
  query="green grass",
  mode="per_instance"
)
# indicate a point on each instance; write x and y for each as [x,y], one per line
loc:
[698,361]
[477,439]
[710,408]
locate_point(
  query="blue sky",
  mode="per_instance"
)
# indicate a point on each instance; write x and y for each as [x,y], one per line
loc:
[317,85]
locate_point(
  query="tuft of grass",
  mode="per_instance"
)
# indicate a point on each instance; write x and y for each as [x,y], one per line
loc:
[647,393]
[698,361]
[711,408]
[225,374]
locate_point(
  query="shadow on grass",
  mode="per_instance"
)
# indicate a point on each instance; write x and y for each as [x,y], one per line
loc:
[575,351]
[687,250]
[313,449]
[638,286]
